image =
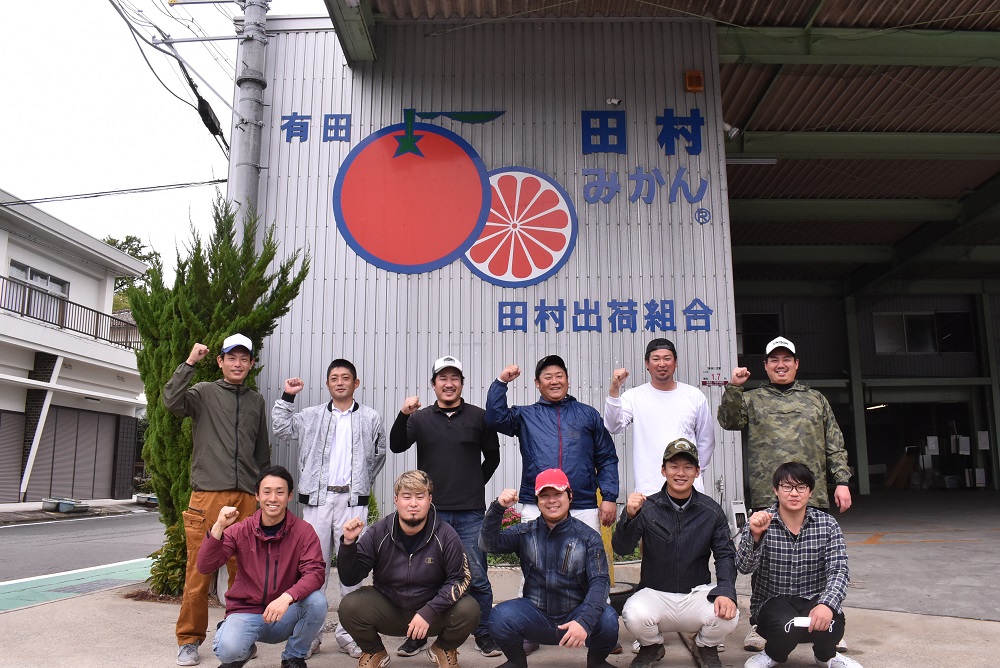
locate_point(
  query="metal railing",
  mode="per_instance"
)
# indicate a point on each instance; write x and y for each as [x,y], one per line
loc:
[31,302]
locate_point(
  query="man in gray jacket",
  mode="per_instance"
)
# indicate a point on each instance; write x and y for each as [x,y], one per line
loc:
[341,451]
[230,446]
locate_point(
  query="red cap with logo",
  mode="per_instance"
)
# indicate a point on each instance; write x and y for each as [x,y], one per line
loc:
[554,478]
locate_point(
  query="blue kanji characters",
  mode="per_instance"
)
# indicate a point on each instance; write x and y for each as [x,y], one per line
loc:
[512,316]
[697,316]
[296,126]
[603,132]
[680,127]
[623,315]
[587,316]
[659,315]
[336,127]
[555,312]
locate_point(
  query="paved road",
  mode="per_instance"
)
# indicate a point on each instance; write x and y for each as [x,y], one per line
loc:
[30,550]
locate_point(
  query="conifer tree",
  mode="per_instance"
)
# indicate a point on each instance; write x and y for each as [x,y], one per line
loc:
[221,287]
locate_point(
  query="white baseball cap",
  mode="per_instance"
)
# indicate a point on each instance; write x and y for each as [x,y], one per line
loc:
[444,363]
[237,341]
[780,342]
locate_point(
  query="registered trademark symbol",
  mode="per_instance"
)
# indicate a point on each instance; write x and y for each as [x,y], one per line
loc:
[703,216]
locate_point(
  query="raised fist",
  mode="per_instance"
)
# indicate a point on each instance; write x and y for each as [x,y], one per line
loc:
[507,498]
[294,385]
[197,354]
[509,373]
[740,376]
[410,405]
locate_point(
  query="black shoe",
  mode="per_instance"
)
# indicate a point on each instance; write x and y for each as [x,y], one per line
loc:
[294,662]
[708,657]
[411,647]
[596,659]
[487,645]
[529,647]
[516,656]
[648,655]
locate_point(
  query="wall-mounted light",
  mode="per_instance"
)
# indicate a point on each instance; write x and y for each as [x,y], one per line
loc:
[614,101]
[732,132]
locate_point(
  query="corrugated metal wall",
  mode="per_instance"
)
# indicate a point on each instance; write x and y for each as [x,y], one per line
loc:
[542,74]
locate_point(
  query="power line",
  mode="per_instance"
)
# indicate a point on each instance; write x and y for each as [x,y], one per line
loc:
[105,193]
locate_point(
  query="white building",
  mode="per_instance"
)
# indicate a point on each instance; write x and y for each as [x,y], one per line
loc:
[69,388]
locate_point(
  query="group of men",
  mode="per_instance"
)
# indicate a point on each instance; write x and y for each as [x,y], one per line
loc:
[569,487]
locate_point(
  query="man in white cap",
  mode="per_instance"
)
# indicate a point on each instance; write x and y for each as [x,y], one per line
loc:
[786,422]
[459,453]
[230,447]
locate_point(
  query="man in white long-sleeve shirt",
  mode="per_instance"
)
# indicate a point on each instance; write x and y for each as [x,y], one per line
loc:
[663,410]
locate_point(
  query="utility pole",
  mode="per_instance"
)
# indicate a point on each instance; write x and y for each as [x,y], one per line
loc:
[244,170]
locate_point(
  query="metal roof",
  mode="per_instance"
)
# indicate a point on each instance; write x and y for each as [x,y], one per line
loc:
[883,116]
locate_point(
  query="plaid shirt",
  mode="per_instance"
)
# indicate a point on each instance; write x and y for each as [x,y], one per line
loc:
[812,565]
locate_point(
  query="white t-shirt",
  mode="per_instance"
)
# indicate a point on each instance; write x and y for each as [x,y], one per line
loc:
[661,417]
[341,446]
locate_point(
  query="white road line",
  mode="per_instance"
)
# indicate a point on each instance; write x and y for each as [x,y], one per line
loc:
[75,519]
[74,572]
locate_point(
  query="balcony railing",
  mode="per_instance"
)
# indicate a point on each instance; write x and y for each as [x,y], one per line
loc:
[31,302]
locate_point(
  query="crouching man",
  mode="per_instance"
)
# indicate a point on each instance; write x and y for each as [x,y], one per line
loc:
[275,596]
[566,581]
[799,564]
[420,573]
[679,527]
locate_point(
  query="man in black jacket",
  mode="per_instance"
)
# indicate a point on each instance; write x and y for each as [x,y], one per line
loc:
[679,527]
[420,575]
[460,452]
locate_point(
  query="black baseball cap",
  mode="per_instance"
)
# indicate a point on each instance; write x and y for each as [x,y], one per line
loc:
[660,344]
[549,360]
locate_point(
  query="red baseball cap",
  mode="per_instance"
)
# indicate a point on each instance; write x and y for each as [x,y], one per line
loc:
[553,478]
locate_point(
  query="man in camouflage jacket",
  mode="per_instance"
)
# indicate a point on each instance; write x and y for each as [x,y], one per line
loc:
[787,422]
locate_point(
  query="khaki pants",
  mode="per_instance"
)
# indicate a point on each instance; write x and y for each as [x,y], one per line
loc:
[203,511]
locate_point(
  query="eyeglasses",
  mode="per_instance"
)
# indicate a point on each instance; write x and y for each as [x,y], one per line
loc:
[788,488]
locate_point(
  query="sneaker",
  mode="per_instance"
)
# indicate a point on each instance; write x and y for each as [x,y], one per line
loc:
[294,662]
[187,655]
[648,655]
[444,658]
[352,650]
[240,664]
[411,647]
[761,660]
[754,642]
[839,661]
[529,647]
[708,657]
[314,647]
[636,646]
[379,659]
[487,645]
[842,645]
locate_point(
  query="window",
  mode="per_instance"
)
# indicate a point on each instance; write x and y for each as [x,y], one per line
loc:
[754,331]
[923,333]
[39,279]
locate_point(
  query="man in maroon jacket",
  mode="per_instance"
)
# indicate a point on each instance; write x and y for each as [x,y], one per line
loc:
[276,595]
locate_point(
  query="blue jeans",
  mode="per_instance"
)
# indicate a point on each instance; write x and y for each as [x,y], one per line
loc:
[467,524]
[517,620]
[299,626]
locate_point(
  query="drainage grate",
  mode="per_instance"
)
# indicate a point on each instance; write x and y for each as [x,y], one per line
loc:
[96,585]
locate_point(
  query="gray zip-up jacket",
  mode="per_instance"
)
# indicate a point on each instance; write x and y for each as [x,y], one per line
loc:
[313,428]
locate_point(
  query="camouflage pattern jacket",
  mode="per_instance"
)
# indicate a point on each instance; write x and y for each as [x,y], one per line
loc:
[796,424]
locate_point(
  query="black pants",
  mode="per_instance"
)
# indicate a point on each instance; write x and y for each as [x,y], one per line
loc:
[774,624]
[366,613]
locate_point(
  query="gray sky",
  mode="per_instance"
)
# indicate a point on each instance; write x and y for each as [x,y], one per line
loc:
[82,113]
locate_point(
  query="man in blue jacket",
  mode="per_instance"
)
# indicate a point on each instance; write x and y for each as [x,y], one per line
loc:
[566,580]
[558,432]
[679,527]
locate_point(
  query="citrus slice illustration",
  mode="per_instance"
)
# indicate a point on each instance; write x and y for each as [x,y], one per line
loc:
[530,231]
[411,201]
